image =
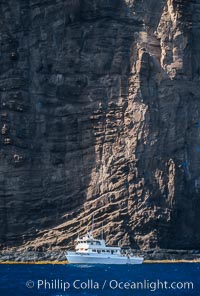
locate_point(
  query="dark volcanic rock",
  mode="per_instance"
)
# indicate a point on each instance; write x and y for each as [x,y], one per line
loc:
[100,113]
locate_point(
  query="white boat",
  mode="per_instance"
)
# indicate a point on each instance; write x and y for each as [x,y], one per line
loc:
[90,250]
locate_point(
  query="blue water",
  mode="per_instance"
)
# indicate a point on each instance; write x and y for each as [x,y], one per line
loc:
[155,279]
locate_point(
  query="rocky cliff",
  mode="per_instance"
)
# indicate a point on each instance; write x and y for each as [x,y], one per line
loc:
[100,113]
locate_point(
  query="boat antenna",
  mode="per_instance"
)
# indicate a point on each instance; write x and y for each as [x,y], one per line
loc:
[92,223]
[102,232]
[119,243]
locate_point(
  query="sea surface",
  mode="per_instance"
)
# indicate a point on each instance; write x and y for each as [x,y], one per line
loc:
[63,280]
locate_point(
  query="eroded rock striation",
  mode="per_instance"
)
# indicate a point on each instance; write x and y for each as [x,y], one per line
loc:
[100,113]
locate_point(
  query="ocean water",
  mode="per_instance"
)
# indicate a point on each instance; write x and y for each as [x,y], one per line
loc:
[66,280]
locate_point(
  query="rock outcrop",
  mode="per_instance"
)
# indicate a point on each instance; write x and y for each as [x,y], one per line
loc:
[100,114]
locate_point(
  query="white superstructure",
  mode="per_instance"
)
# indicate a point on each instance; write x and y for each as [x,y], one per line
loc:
[94,251]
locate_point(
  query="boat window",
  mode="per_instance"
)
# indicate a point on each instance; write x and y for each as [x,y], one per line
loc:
[108,251]
[89,242]
[98,251]
[94,251]
[103,251]
[98,243]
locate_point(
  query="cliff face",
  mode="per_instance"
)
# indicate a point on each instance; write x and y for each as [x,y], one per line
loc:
[100,113]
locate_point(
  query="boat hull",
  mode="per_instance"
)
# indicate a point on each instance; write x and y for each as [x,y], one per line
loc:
[75,258]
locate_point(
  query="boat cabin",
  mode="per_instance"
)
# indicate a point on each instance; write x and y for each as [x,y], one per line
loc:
[89,245]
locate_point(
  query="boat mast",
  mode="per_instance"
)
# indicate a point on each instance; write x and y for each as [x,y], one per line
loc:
[102,232]
[92,223]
